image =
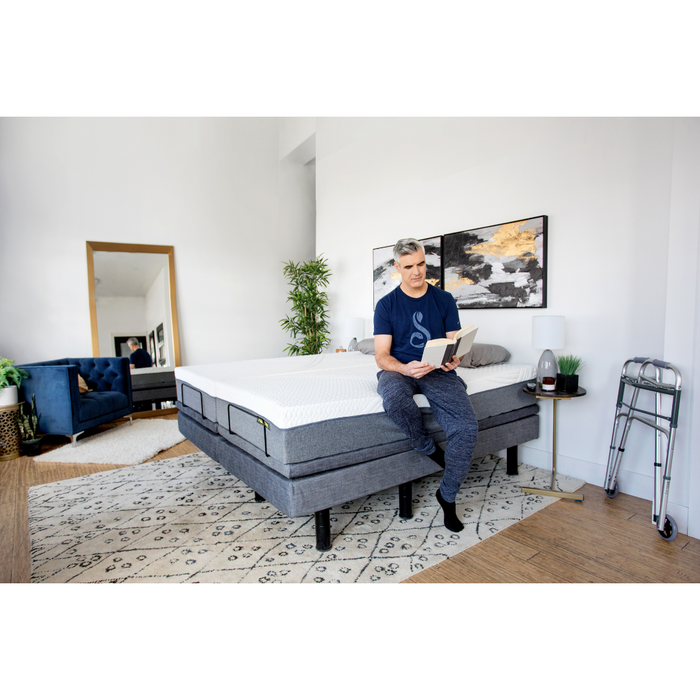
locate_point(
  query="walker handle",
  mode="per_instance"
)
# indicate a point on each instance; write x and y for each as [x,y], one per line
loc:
[662,364]
[641,360]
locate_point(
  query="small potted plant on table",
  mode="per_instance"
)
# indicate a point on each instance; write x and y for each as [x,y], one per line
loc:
[28,422]
[567,377]
[10,379]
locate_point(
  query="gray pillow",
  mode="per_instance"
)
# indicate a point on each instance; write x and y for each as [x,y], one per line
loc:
[366,346]
[483,354]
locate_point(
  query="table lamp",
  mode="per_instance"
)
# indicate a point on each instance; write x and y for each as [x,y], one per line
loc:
[547,334]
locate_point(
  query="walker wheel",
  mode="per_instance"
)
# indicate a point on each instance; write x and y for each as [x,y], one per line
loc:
[670,530]
[612,493]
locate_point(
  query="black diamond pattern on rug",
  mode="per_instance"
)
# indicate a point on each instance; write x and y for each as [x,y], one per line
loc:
[187,520]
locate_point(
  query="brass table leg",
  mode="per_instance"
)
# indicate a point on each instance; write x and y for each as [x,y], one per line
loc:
[552,490]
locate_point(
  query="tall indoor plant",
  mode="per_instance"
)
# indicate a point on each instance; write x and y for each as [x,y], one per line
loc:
[10,380]
[308,324]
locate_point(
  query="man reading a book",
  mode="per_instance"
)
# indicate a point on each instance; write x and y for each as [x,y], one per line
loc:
[404,320]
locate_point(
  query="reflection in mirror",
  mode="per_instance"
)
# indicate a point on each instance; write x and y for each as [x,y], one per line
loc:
[132,294]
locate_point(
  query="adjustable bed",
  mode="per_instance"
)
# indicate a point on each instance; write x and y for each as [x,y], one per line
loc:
[309,433]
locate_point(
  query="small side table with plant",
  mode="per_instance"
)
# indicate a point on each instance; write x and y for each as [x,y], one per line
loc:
[566,388]
[10,380]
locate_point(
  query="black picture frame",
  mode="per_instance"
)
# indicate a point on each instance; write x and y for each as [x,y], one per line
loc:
[159,333]
[152,345]
[503,266]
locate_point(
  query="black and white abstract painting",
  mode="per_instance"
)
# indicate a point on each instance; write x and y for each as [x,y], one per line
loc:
[502,266]
[387,278]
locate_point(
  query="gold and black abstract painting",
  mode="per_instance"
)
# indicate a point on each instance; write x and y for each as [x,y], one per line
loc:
[501,266]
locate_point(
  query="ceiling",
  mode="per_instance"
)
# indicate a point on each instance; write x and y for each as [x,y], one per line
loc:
[126,274]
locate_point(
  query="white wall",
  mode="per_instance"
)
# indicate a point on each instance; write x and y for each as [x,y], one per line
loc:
[119,316]
[158,311]
[608,188]
[209,187]
[293,132]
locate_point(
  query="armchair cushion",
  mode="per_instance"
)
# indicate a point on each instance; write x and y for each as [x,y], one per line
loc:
[100,403]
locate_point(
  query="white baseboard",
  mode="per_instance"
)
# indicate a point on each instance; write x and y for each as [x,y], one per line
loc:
[631,483]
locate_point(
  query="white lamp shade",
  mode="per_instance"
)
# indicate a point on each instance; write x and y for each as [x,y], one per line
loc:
[548,332]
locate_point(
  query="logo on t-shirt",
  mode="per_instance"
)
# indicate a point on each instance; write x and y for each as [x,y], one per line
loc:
[419,339]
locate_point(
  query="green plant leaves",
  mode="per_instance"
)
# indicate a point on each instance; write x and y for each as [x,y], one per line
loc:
[28,421]
[308,324]
[10,374]
[569,364]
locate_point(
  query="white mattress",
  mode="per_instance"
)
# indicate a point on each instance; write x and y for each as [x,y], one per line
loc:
[293,391]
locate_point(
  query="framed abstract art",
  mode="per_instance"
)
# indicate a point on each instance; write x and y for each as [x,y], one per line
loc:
[497,267]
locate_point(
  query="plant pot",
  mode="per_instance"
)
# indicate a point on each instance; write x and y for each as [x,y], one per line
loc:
[568,383]
[8,396]
[31,448]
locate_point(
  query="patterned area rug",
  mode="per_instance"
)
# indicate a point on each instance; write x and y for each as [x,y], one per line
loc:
[187,520]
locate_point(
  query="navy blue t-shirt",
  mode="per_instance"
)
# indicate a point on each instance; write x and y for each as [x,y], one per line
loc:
[140,358]
[412,322]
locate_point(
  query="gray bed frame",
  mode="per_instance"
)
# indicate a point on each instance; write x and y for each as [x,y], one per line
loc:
[507,418]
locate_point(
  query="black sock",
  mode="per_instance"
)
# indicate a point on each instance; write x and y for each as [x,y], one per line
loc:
[452,522]
[438,456]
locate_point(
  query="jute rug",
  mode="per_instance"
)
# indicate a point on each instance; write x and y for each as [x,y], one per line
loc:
[126,444]
[187,520]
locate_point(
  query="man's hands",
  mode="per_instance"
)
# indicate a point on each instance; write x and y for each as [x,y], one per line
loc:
[415,369]
[453,364]
[420,369]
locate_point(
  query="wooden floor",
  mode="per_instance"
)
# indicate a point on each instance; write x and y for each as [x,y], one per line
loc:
[601,540]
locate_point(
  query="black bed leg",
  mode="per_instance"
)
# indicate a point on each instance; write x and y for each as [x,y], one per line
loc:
[512,461]
[406,501]
[258,498]
[323,529]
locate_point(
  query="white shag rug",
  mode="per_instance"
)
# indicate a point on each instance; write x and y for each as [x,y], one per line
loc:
[187,520]
[130,443]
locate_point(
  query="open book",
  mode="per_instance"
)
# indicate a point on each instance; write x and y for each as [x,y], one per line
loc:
[439,352]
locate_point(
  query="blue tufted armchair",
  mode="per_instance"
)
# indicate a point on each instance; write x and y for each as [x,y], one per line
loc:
[64,410]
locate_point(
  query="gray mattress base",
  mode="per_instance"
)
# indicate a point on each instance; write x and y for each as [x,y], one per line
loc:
[153,380]
[300,448]
[389,440]
[316,492]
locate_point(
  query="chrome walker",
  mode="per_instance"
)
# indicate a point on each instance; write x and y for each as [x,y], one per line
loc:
[644,381]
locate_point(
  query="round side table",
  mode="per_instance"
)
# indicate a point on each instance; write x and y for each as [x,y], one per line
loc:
[555,397]
[9,432]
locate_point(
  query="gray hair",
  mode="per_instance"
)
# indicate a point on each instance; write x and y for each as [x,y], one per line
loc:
[407,246]
[133,341]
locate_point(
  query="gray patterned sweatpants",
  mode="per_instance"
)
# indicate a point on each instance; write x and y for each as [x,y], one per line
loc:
[447,394]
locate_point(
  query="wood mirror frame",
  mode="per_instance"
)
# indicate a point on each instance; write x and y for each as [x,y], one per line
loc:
[168,250]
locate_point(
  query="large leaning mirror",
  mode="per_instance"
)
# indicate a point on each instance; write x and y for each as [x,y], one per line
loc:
[132,294]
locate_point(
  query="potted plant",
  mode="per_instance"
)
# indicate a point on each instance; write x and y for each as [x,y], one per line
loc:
[28,423]
[10,380]
[308,325]
[567,377]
